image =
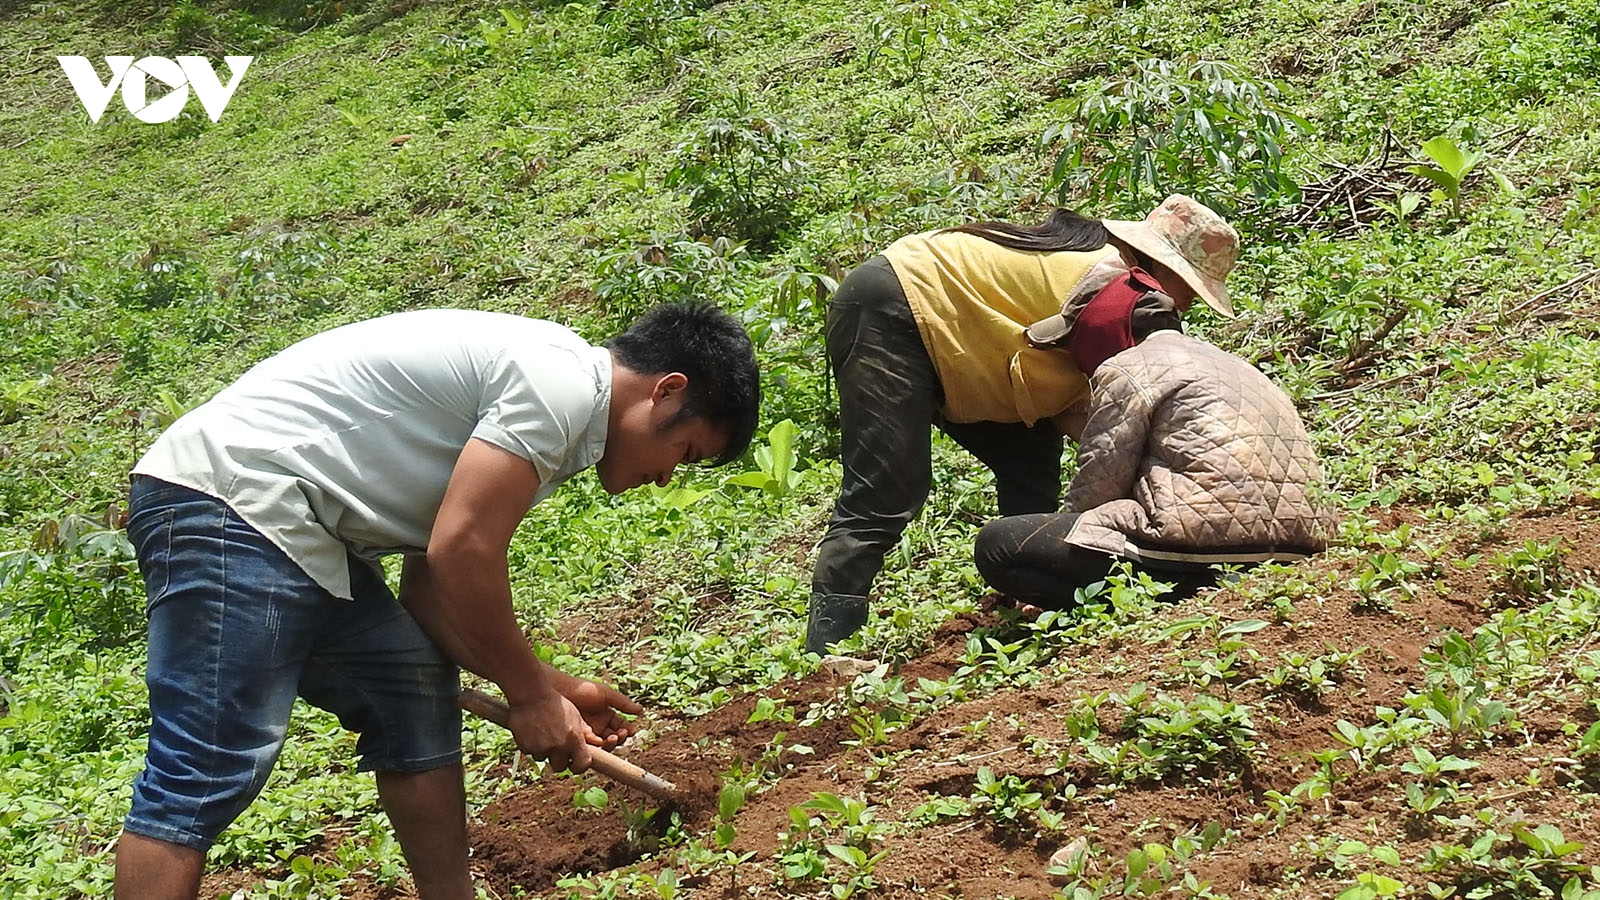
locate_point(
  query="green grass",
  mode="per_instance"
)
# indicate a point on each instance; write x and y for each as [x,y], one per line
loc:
[135,261]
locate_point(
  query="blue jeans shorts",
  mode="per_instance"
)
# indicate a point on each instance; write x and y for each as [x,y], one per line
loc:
[237,630]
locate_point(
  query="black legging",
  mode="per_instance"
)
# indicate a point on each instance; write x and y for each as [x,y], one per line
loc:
[889,395]
[1027,558]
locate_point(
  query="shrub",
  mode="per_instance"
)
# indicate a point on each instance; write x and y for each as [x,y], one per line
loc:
[1210,131]
[664,269]
[743,175]
[664,27]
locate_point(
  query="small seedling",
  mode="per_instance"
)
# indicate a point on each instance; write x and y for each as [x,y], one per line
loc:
[1451,165]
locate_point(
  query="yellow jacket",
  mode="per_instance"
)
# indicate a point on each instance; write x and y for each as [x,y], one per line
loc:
[972,298]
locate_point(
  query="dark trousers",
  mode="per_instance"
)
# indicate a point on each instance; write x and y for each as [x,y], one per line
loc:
[889,396]
[1027,558]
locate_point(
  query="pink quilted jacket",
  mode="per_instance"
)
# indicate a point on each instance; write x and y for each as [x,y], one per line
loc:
[1191,455]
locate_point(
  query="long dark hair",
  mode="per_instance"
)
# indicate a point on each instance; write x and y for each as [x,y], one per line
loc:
[1064,230]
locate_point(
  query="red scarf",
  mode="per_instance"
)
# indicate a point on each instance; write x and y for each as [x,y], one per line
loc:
[1104,327]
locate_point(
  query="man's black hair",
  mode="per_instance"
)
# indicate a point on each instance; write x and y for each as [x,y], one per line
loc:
[711,348]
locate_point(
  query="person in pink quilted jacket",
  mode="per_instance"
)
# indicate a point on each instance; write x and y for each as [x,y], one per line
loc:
[1191,459]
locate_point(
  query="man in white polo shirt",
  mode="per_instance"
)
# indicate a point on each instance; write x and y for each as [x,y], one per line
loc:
[259,518]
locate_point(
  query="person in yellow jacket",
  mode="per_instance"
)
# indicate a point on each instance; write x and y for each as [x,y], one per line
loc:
[933,332]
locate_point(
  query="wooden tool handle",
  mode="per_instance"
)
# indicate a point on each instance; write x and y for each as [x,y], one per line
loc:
[613,767]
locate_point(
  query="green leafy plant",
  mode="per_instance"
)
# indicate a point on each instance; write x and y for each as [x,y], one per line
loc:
[1207,129]
[1465,712]
[743,174]
[308,878]
[805,848]
[1451,165]
[593,797]
[729,801]
[162,274]
[1362,744]
[1165,735]
[1370,886]
[1280,807]
[663,27]
[664,884]
[1431,769]
[1382,578]
[988,660]
[1011,807]
[74,581]
[858,874]
[1405,203]
[775,464]
[1221,662]
[1149,871]
[1326,777]
[1526,860]
[853,818]
[1588,747]
[904,38]
[797,292]
[767,709]
[1532,570]
[643,832]
[666,269]
[19,395]
[940,808]
[1308,677]
[281,266]
[872,729]
[800,856]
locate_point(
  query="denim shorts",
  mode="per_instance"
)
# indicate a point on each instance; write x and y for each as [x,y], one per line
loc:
[237,630]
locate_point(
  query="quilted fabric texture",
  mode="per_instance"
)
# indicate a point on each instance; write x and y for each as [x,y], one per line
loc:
[1189,447]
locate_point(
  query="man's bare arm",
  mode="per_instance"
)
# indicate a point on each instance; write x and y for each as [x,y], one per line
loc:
[460,593]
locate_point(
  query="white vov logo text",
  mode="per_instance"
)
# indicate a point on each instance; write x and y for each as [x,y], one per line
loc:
[180,76]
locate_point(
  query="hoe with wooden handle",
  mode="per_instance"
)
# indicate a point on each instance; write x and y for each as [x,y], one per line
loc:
[614,767]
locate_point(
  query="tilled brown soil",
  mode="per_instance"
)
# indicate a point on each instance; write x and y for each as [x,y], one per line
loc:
[532,837]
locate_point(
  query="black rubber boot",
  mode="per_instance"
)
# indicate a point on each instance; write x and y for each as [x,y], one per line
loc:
[833,617]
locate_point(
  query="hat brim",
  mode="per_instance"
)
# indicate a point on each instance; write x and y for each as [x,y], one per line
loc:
[1142,237]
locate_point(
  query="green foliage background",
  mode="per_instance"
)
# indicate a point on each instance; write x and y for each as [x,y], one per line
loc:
[584,160]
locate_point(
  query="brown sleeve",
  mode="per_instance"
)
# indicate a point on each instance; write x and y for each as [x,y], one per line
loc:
[1113,442]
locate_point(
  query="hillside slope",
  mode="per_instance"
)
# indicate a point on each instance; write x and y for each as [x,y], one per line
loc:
[583,161]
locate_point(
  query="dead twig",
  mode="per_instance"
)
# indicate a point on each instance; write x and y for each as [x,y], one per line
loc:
[1343,393]
[1507,318]
[1018,50]
[969,760]
[1364,353]
[1542,296]
[956,831]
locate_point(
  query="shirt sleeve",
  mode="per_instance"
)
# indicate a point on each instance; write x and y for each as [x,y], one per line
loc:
[536,405]
[1113,443]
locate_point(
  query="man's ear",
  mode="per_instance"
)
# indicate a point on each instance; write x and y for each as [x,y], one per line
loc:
[669,385]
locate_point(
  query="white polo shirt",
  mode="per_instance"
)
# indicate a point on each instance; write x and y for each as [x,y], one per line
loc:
[344,442]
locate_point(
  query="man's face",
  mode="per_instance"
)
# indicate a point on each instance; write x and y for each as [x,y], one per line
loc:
[643,448]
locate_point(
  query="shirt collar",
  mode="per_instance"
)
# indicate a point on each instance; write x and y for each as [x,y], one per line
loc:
[594,445]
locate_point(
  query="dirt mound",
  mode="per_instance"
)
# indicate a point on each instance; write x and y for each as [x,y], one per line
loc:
[533,837]
[537,835]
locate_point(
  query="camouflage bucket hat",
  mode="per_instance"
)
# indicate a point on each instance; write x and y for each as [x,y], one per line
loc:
[1191,240]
